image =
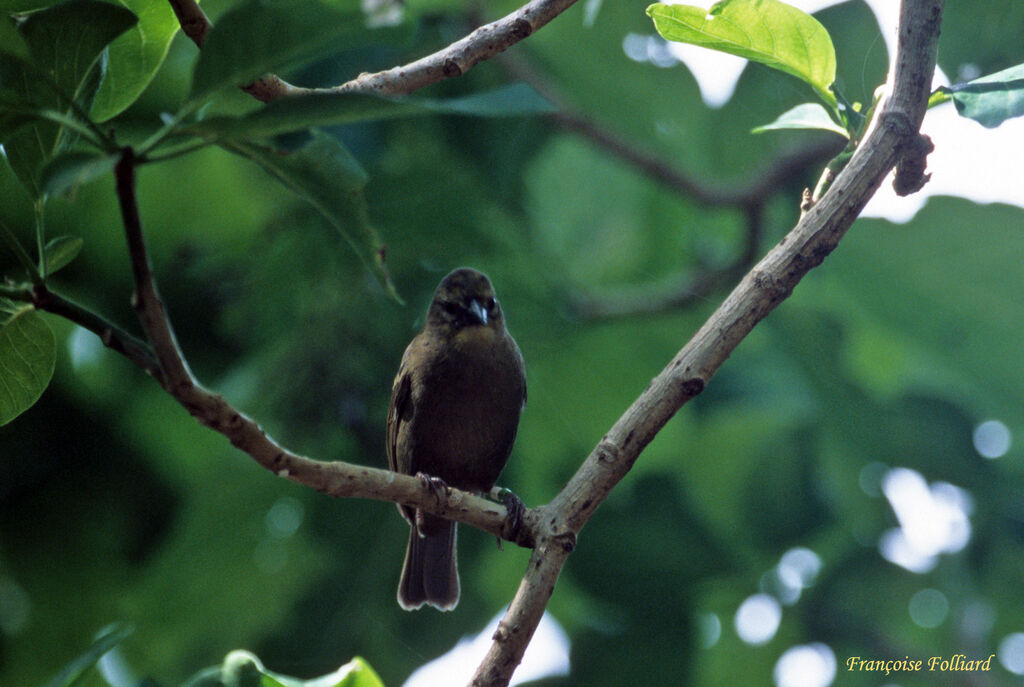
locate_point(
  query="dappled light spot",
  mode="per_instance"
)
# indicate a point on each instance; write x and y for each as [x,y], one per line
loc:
[284,517]
[1011,653]
[807,665]
[84,348]
[992,439]
[648,48]
[933,520]
[870,478]
[757,618]
[929,608]
[709,629]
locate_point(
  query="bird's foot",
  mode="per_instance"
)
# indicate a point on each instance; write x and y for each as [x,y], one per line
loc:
[436,484]
[438,487]
[515,508]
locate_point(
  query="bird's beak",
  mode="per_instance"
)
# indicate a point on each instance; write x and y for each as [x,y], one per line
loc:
[478,310]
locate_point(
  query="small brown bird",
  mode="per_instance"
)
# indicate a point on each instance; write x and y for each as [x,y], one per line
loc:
[454,413]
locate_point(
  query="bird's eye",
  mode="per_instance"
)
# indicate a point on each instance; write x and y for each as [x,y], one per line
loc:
[491,304]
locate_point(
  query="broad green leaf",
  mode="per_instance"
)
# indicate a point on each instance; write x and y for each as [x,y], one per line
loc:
[806,116]
[28,352]
[66,40]
[244,669]
[766,31]
[323,109]
[257,37]
[11,41]
[60,251]
[72,169]
[65,44]
[134,57]
[989,100]
[326,175]
[73,672]
[21,6]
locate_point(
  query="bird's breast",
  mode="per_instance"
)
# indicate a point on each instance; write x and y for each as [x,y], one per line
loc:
[467,409]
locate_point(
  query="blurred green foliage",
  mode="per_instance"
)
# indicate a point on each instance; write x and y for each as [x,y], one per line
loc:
[116,506]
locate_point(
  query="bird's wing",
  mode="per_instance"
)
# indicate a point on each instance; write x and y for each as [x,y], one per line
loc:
[398,412]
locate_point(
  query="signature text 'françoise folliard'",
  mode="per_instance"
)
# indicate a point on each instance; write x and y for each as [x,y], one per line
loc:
[955,663]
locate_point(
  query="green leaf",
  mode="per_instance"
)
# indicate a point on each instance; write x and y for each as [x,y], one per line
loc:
[11,41]
[70,170]
[244,669]
[107,640]
[805,116]
[66,40]
[134,57]
[324,109]
[22,6]
[325,174]
[60,251]
[989,100]
[65,43]
[766,31]
[28,352]
[257,37]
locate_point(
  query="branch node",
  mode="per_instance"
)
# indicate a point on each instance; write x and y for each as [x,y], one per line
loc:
[607,452]
[521,28]
[692,386]
[565,541]
[910,175]
[450,68]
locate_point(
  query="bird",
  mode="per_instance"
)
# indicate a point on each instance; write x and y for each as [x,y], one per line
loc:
[453,417]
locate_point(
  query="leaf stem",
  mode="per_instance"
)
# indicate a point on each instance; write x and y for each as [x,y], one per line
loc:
[20,254]
[40,213]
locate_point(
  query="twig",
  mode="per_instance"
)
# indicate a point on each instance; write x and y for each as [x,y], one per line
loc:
[194,22]
[739,194]
[749,196]
[693,287]
[761,290]
[454,60]
[112,336]
[459,57]
[336,479]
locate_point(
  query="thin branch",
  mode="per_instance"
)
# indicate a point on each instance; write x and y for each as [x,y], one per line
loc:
[691,288]
[775,174]
[458,58]
[770,282]
[112,336]
[749,196]
[454,60]
[336,479]
[194,22]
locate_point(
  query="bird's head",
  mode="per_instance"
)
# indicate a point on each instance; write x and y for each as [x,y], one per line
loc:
[464,299]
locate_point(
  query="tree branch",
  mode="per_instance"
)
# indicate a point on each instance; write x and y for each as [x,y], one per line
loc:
[761,290]
[454,60]
[194,22]
[461,56]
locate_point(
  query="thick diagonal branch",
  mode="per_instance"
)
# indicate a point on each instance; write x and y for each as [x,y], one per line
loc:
[770,282]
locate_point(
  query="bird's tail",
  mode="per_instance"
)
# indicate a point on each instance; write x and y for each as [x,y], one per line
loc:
[429,575]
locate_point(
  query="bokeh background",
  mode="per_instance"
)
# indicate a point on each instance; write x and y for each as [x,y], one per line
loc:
[849,484]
